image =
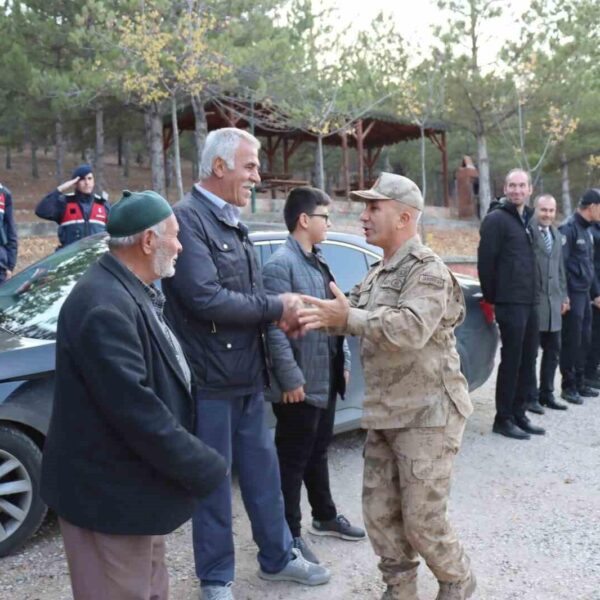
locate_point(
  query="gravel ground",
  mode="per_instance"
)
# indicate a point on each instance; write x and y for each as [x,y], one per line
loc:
[528,514]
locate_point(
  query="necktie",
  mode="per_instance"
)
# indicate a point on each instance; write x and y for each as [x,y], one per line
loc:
[547,240]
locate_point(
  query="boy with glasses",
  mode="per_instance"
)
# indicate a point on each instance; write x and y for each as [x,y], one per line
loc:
[307,373]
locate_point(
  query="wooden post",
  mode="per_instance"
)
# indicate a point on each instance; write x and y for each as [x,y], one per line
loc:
[361,156]
[445,170]
[345,166]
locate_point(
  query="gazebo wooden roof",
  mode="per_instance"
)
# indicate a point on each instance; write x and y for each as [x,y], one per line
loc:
[368,134]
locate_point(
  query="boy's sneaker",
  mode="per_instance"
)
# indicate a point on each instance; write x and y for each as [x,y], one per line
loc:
[216,592]
[339,527]
[300,571]
[305,549]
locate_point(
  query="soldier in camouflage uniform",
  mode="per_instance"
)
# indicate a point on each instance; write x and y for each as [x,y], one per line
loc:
[416,399]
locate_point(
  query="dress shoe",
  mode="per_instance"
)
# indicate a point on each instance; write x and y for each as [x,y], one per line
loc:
[587,392]
[552,403]
[571,396]
[526,425]
[535,407]
[510,430]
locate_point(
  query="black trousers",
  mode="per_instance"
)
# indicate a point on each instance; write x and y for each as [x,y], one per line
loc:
[519,330]
[302,436]
[576,334]
[550,343]
[593,357]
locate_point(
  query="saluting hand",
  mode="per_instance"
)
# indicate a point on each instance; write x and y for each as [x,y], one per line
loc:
[325,313]
[63,187]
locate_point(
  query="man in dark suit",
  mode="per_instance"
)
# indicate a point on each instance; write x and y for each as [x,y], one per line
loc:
[507,271]
[554,300]
[120,467]
[220,310]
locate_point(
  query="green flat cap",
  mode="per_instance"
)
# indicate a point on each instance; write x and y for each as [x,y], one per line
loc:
[390,186]
[137,211]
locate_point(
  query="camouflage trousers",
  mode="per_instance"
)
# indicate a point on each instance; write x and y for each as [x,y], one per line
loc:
[405,494]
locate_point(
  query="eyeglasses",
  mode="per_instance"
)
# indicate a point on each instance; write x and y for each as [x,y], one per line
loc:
[326,217]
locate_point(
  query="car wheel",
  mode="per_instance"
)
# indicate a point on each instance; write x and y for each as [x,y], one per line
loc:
[21,508]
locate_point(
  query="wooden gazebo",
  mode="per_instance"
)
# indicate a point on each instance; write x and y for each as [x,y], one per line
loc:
[368,135]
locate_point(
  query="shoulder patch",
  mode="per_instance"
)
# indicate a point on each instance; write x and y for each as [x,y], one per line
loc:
[424,254]
[431,280]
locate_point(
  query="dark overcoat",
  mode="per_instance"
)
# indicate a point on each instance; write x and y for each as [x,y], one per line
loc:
[505,258]
[119,458]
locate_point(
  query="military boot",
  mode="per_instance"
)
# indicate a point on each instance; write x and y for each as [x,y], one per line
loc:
[460,590]
[400,592]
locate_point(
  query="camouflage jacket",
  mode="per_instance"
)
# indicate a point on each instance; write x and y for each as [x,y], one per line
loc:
[405,312]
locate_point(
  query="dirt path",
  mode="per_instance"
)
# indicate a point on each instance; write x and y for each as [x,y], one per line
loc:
[528,513]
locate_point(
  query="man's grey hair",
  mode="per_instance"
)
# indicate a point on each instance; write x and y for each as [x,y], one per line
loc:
[130,240]
[223,143]
[518,170]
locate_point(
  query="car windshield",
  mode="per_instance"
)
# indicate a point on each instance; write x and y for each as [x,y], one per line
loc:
[31,300]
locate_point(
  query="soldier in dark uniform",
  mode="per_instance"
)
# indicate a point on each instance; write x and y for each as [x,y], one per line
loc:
[8,235]
[592,374]
[79,213]
[582,286]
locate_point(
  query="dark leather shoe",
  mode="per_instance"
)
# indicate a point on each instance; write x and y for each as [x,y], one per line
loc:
[535,407]
[552,403]
[588,392]
[571,396]
[593,382]
[510,430]
[526,425]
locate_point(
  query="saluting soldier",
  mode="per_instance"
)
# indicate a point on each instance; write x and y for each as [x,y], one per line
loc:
[582,286]
[416,400]
[79,213]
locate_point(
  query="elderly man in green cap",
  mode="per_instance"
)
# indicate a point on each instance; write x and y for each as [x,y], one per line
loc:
[416,399]
[120,467]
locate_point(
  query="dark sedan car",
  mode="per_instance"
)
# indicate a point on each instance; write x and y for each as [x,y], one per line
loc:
[29,307]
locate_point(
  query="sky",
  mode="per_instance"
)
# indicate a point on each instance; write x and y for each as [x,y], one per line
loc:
[415,18]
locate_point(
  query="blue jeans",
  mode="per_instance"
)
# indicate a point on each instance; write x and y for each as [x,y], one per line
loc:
[235,427]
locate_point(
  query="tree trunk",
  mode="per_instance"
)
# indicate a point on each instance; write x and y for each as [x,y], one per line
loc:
[60,150]
[8,157]
[126,156]
[176,150]
[195,171]
[200,127]
[566,186]
[153,124]
[35,173]
[485,191]
[120,150]
[99,154]
[423,169]
[320,171]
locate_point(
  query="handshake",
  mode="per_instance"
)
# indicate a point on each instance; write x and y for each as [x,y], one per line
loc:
[303,313]
[290,317]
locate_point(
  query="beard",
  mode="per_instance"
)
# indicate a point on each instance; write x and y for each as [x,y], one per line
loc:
[163,263]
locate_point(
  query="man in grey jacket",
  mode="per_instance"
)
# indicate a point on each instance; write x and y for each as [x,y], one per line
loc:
[554,300]
[307,373]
